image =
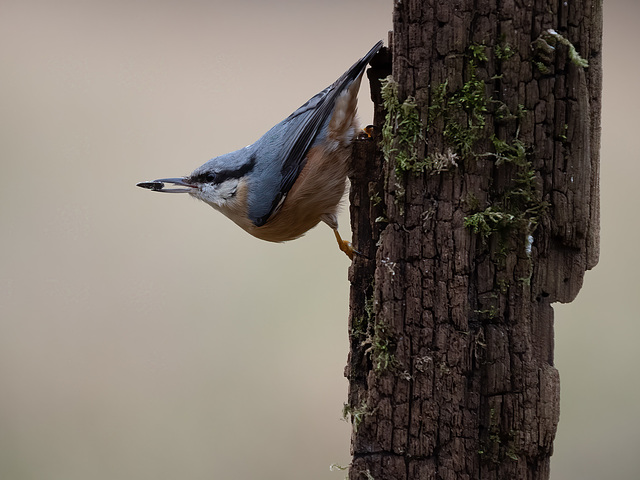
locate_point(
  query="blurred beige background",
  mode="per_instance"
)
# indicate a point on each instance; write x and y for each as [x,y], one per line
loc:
[145,336]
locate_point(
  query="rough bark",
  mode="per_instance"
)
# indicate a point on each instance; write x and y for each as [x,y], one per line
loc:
[451,326]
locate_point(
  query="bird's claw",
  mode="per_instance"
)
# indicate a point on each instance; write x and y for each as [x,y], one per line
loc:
[346,246]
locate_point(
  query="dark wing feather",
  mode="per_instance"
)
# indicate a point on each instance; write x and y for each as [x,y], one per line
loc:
[310,118]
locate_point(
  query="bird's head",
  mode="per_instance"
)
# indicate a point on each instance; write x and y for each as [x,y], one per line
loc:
[218,182]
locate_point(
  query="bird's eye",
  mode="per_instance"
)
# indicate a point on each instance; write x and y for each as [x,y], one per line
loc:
[207,177]
[210,177]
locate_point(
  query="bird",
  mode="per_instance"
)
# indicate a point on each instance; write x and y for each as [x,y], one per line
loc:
[294,176]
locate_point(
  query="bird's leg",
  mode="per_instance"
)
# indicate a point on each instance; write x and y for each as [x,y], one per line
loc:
[345,246]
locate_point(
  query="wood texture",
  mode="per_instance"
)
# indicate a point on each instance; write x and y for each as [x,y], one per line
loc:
[451,364]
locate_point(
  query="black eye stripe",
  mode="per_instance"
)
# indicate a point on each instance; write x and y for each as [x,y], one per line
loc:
[202,178]
[223,175]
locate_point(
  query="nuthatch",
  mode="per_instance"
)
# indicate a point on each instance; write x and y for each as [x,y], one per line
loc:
[293,177]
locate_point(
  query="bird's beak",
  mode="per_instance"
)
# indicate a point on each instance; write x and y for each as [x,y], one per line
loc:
[158,185]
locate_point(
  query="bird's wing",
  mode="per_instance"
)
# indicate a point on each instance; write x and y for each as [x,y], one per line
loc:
[304,125]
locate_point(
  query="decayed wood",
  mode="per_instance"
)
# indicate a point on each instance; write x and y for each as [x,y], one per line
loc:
[451,363]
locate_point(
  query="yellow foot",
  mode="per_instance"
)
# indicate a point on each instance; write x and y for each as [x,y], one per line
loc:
[369,129]
[345,246]
[366,132]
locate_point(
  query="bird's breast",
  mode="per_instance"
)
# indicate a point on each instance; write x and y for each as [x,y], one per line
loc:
[316,192]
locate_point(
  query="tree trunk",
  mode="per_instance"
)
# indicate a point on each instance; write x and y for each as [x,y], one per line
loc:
[479,210]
